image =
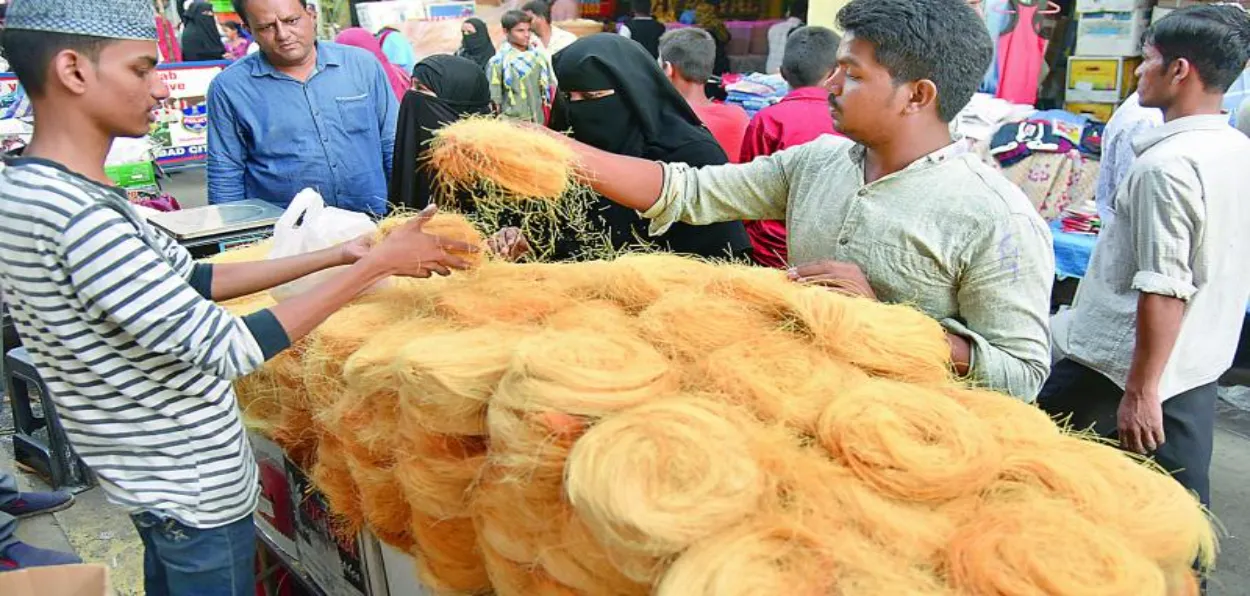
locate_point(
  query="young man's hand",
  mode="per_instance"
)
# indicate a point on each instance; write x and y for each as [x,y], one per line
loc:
[410,252]
[509,243]
[354,250]
[838,275]
[1140,421]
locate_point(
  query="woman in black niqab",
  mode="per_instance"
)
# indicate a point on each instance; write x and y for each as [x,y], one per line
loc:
[446,89]
[201,40]
[613,96]
[476,46]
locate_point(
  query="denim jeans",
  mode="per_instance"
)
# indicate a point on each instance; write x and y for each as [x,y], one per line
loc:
[8,523]
[179,560]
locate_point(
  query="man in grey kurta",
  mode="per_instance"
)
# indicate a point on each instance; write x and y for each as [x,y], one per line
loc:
[904,214]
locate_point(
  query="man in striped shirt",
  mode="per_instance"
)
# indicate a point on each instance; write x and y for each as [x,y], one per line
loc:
[121,322]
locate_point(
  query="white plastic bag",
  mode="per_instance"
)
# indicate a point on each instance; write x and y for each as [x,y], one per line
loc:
[321,227]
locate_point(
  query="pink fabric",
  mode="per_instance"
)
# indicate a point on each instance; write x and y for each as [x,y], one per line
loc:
[237,49]
[728,124]
[800,117]
[167,40]
[1021,52]
[360,38]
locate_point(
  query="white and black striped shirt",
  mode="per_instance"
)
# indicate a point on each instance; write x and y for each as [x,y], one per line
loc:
[137,360]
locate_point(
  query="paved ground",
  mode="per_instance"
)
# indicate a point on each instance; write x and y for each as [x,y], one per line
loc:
[101,533]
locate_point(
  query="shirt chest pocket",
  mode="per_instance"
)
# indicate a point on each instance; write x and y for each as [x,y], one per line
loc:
[355,113]
[910,268]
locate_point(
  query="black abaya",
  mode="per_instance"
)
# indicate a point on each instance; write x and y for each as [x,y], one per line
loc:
[460,89]
[644,117]
[201,40]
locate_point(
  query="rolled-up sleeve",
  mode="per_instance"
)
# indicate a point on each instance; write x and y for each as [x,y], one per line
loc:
[1004,306]
[1167,215]
[732,192]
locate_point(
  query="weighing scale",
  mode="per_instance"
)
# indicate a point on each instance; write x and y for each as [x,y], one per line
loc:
[206,231]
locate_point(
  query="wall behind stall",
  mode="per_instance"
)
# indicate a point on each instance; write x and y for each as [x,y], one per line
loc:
[825,12]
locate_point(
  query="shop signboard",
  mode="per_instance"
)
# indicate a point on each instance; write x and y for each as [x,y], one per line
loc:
[373,16]
[180,133]
[450,10]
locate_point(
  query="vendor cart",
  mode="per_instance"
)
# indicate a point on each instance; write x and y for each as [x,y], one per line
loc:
[295,540]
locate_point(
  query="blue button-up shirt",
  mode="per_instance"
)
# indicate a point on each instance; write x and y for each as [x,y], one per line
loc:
[271,136]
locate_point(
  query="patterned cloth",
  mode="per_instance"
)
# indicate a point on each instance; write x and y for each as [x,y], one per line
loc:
[1056,182]
[127,19]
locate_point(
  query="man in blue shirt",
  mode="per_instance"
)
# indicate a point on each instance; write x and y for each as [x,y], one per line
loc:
[300,114]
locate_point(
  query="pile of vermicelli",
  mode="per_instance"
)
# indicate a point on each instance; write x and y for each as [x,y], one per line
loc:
[655,424]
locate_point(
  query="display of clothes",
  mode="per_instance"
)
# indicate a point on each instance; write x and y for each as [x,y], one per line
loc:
[1046,132]
[1020,50]
[1053,157]
[1016,141]
[755,91]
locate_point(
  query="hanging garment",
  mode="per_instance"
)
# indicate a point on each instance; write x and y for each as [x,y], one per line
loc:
[996,19]
[1021,52]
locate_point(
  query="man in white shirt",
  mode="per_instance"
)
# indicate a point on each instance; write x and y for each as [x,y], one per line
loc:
[1156,321]
[549,38]
[1128,121]
[780,32]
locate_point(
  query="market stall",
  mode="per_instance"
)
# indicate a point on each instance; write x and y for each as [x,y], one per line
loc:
[604,427]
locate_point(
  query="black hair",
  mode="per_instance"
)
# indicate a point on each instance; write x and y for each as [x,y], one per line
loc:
[540,9]
[241,5]
[512,18]
[944,41]
[811,54]
[640,6]
[30,54]
[798,9]
[691,51]
[232,25]
[1215,39]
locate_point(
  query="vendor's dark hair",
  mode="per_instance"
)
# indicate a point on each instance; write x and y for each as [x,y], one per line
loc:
[540,9]
[640,6]
[811,54]
[30,54]
[241,5]
[1215,39]
[944,41]
[512,18]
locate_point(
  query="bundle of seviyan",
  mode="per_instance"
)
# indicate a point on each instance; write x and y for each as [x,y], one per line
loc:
[657,424]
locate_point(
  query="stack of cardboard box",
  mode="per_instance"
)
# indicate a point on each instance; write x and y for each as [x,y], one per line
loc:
[1102,72]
